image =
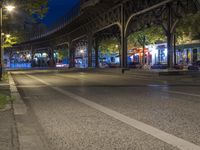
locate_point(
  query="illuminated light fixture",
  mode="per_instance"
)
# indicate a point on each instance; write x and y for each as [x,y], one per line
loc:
[10,8]
[81,51]
[8,35]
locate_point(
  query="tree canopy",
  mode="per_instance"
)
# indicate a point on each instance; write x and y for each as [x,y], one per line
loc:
[109,46]
[37,7]
[188,28]
[146,36]
[29,13]
[63,53]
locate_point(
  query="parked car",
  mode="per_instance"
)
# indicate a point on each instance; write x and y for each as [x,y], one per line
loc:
[135,65]
[179,66]
[194,66]
[159,66]
[103,65]
[198,63]
[113,65]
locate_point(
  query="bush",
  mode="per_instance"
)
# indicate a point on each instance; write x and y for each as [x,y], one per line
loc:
[5,76]
[4,99]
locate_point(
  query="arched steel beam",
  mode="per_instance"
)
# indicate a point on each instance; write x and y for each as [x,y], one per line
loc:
[108,26]
[144,11]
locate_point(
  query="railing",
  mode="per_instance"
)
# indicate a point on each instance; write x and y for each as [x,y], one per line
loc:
[62,22]
[87,3]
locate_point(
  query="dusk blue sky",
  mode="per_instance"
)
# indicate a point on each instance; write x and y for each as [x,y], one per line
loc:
[57,8]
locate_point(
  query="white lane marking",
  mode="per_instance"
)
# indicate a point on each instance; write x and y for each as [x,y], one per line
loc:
[124,78]
[31,86]
[183,93]
[159,134]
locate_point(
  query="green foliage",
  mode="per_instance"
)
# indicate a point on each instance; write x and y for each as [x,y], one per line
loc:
[188,28]
[29,11]
[15,37]
[3,101]
[136,39]
[62,53]
[5,76]
[146,36]
[10,41]
[109,46]
[38,7]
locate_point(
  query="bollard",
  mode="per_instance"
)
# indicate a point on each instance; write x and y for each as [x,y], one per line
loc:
[125,69]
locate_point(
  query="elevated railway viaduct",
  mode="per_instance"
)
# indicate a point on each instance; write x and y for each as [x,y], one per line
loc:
[91,20]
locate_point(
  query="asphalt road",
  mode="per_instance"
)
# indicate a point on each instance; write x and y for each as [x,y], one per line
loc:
[90,111]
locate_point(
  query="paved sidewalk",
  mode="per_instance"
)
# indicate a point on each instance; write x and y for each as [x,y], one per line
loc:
[8,134]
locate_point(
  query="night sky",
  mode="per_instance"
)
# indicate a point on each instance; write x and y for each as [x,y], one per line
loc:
[57,8]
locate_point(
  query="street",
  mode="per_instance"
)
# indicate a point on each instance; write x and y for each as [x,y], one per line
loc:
[96,111]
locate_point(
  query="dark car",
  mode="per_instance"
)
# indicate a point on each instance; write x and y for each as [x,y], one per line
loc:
[179,66]
[159,66]
[113,65]
[135,65]
[198,63]
[194,66]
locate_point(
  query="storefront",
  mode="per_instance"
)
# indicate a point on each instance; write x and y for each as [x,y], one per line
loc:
[154,54]
[109,60]
[18,60]
[136,55]
[40,60]
[81,57]
[188,53]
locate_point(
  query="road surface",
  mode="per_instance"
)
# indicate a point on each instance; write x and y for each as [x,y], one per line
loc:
[96,111]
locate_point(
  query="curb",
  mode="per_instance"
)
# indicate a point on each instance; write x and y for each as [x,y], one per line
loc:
[19,108]
[27,135]
[18,104]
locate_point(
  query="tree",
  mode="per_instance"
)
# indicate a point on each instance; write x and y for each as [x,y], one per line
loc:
[109,46]
[146,36]
[62,53]
[188,28]
[14,38]
[34,7]
[9,41]
[31,11]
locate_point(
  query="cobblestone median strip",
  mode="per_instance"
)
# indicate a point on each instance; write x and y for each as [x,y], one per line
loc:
[159,134]
[27,135]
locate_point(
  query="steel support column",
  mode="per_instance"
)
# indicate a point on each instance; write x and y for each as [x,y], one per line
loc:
[123,52]
[71,55]
[96,47]
[52,61]
[175,50]
[170,32]
[66,48]
[90,46]
[32,57]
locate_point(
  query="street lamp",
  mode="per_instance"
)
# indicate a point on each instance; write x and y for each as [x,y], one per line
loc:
[8,35]
[82,53]
[9,8]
